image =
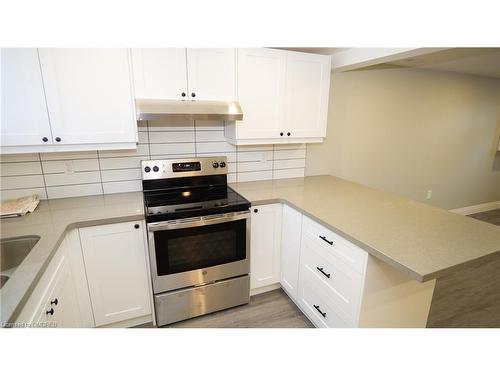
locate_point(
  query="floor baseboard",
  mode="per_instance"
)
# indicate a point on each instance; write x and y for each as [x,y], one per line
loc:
[477,208]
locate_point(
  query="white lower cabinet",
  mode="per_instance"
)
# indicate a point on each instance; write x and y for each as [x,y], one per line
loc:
[290,250]
[337,284]
[55,300]
[117,273]
[265,242]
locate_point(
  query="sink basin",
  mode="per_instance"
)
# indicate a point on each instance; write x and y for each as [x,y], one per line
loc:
[13,251]
[3,280]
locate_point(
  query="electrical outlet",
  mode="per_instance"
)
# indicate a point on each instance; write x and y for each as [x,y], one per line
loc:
[69,167]
[429,194]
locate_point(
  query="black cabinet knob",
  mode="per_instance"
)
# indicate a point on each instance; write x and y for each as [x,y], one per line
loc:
[222,164]
[156,169]
[255,210]
[193,94]
[215,164]
[50,312]
[289,134]
[136,226]
[147,169]
[281,134]
[54,302]
[58,139]
[183,94]
[45,139]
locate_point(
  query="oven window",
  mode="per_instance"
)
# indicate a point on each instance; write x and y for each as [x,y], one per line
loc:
[188,249]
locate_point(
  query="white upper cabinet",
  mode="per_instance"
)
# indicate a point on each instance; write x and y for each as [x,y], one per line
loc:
[307,91]
[89,95]
[24,117]
[179,73]
[261,93]
[283,95]
[211,73]
[160,73]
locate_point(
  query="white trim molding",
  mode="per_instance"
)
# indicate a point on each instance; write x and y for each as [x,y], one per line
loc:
[477,208]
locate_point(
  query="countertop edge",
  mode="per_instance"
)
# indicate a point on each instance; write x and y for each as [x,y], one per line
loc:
[400,267]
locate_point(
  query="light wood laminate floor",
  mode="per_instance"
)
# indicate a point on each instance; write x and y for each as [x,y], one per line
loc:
[267,310]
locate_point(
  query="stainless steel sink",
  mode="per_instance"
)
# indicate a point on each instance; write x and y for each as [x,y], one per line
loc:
[12,252]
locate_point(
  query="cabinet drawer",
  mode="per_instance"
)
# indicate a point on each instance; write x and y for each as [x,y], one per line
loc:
[331,243]
[317,306]
[339,282]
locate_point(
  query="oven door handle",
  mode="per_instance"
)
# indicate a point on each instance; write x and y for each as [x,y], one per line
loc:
[199,221]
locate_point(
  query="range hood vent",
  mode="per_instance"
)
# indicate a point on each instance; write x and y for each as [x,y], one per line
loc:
[163,109]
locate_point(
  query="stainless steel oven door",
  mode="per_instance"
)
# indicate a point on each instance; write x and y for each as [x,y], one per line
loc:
[199,250]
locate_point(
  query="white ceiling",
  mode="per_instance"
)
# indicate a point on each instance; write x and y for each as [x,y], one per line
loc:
[478,61]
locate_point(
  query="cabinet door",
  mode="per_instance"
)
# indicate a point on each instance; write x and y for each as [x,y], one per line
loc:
[307,92]
[261,93]
[115,262]
[89,95]
[211,73]
[290,249]
[160,73]
[24,117]
[54,301]
[265,245]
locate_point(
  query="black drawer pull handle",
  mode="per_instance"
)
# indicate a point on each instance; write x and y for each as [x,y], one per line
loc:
[324,239]
[323,272]
[321,312]
[54,302]
[50,312]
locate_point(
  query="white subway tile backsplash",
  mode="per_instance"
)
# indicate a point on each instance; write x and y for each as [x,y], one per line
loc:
[69,155]
[290,154]
[18,193]
[21,182]
[172,148]
[20,169]
[288,173]
[255,166]
[54,192]
[57,179]
[18,158]
[289,163]
[121,174]
[76,165]
[215,147]
[122,163]
[69,174]
[122,186]
[171,137]
[255,176]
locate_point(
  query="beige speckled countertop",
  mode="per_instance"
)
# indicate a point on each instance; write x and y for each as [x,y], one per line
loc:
[51,220]
[422,241]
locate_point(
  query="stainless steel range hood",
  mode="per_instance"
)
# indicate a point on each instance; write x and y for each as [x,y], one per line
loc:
[162,109]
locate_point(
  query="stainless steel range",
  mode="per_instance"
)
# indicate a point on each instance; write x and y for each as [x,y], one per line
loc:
[199,237]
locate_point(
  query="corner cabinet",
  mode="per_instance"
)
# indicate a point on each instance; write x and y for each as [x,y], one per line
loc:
[290,250]
[265,245]
[284,97]
[67,99]
[117,273]
[184,74]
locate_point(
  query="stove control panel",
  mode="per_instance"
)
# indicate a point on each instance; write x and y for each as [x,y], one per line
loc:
[157,169]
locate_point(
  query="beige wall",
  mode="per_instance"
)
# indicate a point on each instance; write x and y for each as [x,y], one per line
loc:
[408,130]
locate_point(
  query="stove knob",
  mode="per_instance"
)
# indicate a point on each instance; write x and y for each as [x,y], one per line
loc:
[155,169]
[222,164]
[147,169]
[215,164]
